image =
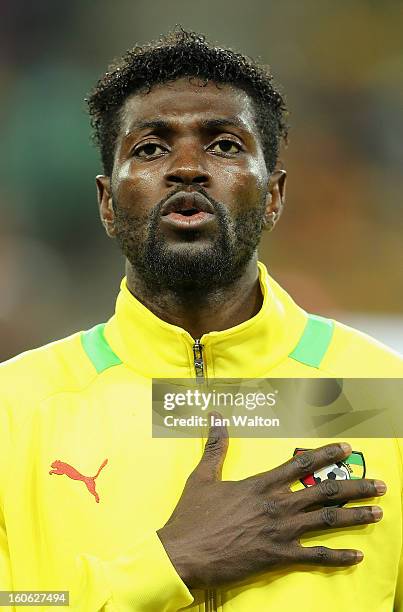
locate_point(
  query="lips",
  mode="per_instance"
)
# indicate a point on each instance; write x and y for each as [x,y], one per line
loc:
[187,204]
[187,212]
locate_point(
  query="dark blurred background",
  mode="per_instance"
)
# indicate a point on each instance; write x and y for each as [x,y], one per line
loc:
[339,247]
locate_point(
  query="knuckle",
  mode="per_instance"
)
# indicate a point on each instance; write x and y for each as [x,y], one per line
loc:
[365,488]
[332,451]
[214,446]
[329,488]
[362,515]
[212,442]
[271,508]
[322,554]
[305,460]
[329,516]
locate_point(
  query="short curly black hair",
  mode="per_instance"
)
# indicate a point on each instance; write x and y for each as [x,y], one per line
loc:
[184,54]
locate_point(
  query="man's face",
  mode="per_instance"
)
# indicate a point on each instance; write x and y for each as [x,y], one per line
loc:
[201,145]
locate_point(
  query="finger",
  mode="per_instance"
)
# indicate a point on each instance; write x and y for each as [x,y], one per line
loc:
[307,463]
[215,450]
[321,555]
[331,518]
[336,490]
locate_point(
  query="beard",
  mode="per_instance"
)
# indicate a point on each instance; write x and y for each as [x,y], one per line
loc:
[197,266]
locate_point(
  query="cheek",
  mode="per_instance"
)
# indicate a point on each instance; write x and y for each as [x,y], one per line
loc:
[134,189]
[245,185]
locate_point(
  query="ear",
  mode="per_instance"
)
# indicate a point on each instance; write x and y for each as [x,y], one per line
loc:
[106,211]
[275,199]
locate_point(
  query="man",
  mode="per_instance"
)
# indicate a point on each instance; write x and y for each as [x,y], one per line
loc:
[189,137]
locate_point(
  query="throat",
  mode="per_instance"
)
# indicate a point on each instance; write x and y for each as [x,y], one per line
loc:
[201,312]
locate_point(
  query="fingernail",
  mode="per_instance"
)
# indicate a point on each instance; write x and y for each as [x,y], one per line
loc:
[380,487]
[346,447]
[377,512]
[359,556]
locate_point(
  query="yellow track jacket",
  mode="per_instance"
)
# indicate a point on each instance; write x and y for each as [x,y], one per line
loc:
[84,487]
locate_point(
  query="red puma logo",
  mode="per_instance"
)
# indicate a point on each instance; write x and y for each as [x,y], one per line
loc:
[65,468]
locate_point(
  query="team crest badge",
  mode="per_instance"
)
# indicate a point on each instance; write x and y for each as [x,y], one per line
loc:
[351,468]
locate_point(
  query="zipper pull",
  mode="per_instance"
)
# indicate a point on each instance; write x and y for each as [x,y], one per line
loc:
[198,360]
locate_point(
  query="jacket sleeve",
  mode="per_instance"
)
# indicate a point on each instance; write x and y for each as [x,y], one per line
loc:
[143,580]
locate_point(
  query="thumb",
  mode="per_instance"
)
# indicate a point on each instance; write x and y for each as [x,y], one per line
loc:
[212,461]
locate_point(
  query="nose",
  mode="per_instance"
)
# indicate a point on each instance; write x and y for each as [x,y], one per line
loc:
[186,168]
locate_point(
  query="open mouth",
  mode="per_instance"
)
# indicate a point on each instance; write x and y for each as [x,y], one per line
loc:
[187,204]
[188,212]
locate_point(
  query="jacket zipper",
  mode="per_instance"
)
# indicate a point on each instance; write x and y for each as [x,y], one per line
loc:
[198,360]
[211,601]
[210,595]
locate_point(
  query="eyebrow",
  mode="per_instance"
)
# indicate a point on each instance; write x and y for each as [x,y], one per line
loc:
[206,124]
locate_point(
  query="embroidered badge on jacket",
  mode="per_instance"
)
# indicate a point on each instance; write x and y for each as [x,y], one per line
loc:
[351,468]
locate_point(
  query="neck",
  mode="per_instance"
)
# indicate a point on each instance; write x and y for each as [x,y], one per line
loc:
[216,310]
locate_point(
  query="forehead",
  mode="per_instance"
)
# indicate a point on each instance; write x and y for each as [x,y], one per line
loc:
[186,102]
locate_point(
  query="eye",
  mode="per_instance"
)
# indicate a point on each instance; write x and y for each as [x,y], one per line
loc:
[149,149]
[226,147]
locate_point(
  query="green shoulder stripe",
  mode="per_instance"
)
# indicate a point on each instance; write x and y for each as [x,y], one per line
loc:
[98,350]
[314,341]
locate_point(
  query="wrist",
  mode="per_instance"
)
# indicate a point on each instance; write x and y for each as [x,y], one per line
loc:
[178,557]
